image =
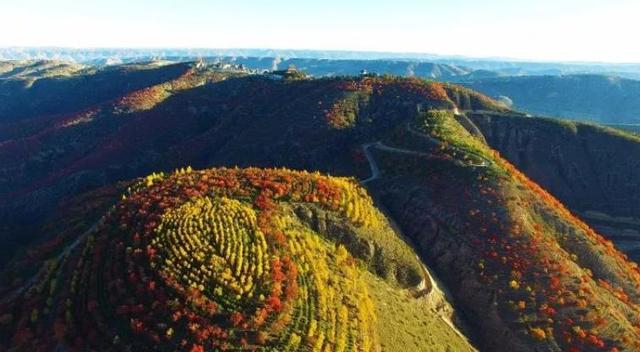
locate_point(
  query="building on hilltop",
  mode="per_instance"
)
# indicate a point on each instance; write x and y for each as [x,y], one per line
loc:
[365,73]
[290,73]
[200,64]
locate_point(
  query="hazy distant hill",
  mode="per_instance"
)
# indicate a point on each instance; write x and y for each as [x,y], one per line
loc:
[33,69]
[599,98]
[500,66]
[324,67]
[31,89]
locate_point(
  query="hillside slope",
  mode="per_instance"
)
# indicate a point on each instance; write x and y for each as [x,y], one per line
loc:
[526,273]
[266,260]
[594,170]
[41,88]
[204,119]
[25,69]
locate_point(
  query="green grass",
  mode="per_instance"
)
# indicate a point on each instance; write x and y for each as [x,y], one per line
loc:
[406,323]
[442,125]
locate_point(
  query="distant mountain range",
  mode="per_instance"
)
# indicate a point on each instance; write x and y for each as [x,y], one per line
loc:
[600,98]
[501,66]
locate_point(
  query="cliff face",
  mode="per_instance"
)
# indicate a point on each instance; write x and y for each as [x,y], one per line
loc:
[587,167]
[595,171]
[438,235]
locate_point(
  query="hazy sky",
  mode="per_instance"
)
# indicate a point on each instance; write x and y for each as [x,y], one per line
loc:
[577,30]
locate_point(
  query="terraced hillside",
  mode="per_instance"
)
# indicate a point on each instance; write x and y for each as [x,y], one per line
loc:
[232,259]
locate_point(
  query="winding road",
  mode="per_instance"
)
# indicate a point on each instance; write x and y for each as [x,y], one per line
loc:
[375,170]
[437,296]
[373,165]
[485,161]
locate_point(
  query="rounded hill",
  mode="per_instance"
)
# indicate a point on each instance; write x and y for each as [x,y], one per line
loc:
[231,259]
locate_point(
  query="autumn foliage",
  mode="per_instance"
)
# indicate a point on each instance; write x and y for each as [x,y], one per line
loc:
[358,92]
[209,260]
[147,98]
[552,280]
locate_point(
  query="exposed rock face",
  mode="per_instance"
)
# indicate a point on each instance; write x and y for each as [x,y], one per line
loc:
[586,167]
[624,231]
[372,252]
[470,126]
[440,239]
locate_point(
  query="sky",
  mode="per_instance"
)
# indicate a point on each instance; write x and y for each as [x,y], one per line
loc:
[539,30]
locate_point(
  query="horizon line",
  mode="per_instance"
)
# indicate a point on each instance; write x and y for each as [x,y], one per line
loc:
[393,54]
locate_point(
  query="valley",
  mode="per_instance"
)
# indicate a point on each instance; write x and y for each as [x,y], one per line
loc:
[606,99]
